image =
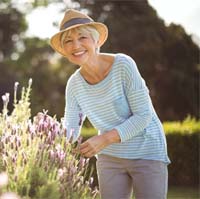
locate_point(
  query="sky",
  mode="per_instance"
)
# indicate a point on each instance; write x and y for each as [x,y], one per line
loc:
[183,12]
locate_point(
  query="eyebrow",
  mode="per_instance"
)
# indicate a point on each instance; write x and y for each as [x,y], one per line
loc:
[79,33]
[67,37]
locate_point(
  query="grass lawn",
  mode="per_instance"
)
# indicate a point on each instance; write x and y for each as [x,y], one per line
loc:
[183,193]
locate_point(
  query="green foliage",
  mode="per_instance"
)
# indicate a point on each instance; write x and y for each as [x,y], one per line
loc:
[10,33]
[166,56]
[88,132]
[38,178]
[183,151]
[183,140]
[49,191]
[183,192]
[40,185]
[188,126]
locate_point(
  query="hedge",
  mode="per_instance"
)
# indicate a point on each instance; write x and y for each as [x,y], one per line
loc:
[183,140]
[183,149]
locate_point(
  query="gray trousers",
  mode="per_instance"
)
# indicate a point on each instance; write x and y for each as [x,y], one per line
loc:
[119,178]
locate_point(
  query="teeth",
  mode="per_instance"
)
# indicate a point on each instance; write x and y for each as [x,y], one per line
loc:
[79,53]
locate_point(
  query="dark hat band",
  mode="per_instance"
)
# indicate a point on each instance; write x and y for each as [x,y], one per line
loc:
[75,21]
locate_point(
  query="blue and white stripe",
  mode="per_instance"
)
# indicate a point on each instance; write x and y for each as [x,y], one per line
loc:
[121,101]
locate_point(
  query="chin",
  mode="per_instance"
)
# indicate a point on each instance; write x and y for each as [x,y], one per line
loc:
[78,61]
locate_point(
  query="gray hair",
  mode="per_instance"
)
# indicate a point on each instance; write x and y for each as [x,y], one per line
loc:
[83,29]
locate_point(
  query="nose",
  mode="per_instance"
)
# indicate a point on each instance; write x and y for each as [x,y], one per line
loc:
[76,44]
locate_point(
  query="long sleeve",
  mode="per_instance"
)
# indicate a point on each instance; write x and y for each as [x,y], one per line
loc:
[139,101]
[73,116]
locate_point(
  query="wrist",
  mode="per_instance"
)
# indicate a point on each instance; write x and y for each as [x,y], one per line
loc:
[112,137]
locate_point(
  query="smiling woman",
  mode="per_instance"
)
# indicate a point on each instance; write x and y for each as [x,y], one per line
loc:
[81,30]
[109,90]
[78,44]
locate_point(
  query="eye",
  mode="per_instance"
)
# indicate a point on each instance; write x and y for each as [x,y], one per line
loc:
[67,41]
[83,37]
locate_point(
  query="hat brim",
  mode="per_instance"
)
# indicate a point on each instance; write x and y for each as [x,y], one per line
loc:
[55,40]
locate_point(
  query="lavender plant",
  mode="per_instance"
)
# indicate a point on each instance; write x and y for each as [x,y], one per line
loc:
[40,162]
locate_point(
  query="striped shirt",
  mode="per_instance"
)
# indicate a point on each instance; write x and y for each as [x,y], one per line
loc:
[120,101]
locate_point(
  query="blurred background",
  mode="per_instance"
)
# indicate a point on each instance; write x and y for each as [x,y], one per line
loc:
[167,56]
[163,37]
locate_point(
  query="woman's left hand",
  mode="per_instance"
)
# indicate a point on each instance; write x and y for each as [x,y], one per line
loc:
[92,146]
[96,143]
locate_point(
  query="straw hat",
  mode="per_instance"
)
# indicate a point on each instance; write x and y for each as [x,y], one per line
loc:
[73,19]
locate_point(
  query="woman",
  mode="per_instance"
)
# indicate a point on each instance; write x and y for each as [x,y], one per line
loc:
[109,90]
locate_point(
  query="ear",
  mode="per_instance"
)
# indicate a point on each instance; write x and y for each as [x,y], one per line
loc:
[97,44]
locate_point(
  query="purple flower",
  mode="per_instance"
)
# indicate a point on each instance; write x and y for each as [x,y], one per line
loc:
[80,118]
[30,82]
[91,180]
[51,155]
[27,142]
[61,172]
[70,134]
[16,86]
[31,127]
[7,139]
[79,140]
[5,162]
[82,162]
[5,98]
[14,159]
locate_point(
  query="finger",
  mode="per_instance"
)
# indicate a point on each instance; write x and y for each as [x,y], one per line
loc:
[85,150]
[84,145]
[76,151]
[88,154]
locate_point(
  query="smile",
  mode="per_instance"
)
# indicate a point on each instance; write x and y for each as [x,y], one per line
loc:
[79,53]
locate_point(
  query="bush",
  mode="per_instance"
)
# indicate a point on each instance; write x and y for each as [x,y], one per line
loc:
[183,148]
[38,159]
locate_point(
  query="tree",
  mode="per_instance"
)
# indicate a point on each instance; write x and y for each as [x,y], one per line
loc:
[12,23]
[35,59]
[166,56]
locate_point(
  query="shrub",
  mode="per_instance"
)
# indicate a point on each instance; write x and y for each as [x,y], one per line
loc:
[183,148]
[40,162]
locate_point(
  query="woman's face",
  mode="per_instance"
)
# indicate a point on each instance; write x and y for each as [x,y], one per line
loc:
[79,47]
